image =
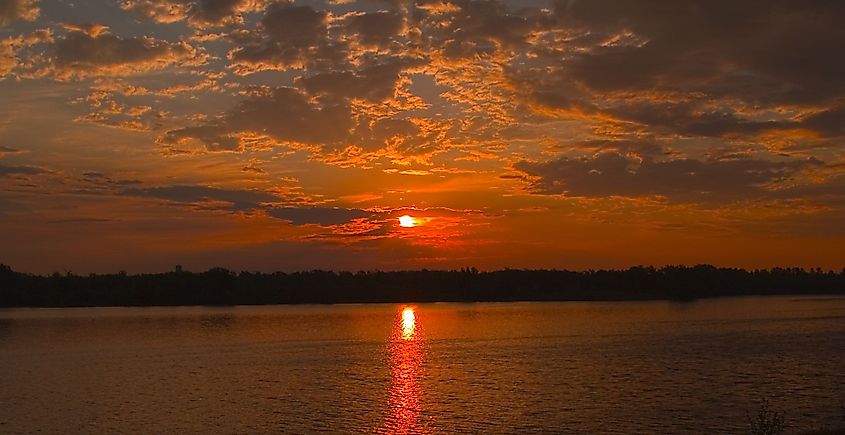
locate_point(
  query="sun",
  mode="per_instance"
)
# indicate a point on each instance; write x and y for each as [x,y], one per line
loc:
[407,221]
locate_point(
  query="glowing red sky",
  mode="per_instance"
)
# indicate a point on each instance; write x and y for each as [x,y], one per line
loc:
[254,134]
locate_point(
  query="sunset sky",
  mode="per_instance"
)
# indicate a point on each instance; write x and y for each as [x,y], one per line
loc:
[269,135]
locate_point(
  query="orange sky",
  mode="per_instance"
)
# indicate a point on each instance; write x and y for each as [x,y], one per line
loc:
[270,135]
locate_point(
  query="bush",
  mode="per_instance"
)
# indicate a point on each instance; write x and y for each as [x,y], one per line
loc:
[768,421]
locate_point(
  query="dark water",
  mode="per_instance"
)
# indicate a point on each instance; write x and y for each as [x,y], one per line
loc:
[618,367]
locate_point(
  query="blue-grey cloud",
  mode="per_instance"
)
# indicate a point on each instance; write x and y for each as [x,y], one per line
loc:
[718,47]
[614,174]
[247,201]
[288,37]
[374,82]
[325,216]
[285,114]
[21,170]
[198,13]
[8,150]
[237,200]
[93,50]
[377,29]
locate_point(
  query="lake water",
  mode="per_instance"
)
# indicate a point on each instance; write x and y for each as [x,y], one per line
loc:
[571,367]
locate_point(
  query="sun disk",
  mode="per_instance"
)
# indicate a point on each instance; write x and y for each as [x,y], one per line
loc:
[407,221]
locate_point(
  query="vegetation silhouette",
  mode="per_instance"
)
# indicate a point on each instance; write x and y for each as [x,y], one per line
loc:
[220,286]
[772,421]
[768,421]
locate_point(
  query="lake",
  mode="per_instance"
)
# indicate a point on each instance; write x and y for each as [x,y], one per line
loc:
[568,367]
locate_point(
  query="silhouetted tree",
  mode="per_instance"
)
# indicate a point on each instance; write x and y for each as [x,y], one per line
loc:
[219,286]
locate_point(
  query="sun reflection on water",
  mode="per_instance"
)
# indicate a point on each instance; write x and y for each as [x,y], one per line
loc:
[406,356]
[409,323]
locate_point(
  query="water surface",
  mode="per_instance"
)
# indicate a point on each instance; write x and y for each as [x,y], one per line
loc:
[571,367]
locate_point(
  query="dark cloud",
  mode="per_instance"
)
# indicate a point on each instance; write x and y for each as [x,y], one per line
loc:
[325,126]
[215,11]
[215,138]
[614,174]
[374,82]
[21,170]
[833,189]
[240,200]
[82,53]
[488,20]
[647,148]
[295,26]
[8,150]
[161,11]
[402,137]
[711,46]
[236,200]
[713,69]
[829,122]
[690,120]
[284,114]
[377,29]
[198,13]
[467,28]
[105,181]
[11,10]
[324,216]
[288,37]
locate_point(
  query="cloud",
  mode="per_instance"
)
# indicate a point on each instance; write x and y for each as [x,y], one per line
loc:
[11,46]
[738,70]
[288,37]
[614,174]
[106,110]
[82,53]
[374,29]
[160,11]
[8,58]
[716,47]
[14,57]
[207,197]
[642,147]
[91,29]
[465,28]
[21,170]
[11,10]
[830,122]
[294,26]
[833,188]
[214,138]
[102,180]
[242,200]
[198,13]
[373,82]
[284,114]
[324,216]
[692,120]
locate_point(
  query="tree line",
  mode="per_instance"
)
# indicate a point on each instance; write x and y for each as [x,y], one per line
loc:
[219,286]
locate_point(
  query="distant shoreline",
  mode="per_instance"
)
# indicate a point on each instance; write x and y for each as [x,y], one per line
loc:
[809,297]
[221,287]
